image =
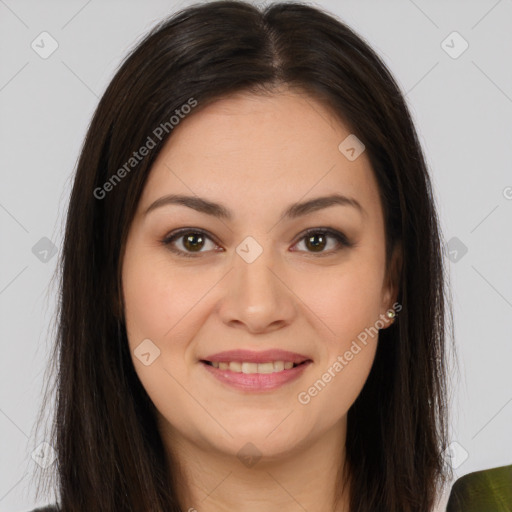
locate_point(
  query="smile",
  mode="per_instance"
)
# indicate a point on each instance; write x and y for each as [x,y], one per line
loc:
[255,377]
[248,367]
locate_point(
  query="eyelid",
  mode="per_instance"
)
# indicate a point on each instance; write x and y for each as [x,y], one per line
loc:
[340,237]
[334,233]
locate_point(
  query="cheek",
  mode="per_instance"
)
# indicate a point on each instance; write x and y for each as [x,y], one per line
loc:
[156,304]
[348,307]
[147,314]
[157,298]
[336,387]
[346,300]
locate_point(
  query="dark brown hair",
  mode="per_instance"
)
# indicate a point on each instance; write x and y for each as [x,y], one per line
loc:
[110,456]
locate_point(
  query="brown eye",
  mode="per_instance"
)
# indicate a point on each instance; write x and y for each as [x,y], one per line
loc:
[188,242]
[316,240]
[193,242]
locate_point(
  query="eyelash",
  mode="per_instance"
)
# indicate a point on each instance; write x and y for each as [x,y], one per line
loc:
[340,238]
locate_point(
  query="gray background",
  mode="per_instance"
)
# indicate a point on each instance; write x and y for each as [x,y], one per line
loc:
[462,108]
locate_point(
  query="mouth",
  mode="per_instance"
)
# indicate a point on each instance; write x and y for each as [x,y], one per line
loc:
[249,371]
[255,371]
[249,367]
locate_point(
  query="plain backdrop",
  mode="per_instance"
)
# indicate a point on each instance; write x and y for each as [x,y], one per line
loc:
[459,89]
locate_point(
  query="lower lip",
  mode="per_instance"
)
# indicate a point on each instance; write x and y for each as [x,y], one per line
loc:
[257,381]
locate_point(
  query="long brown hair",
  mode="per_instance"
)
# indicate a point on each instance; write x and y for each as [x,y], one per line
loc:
[110,456]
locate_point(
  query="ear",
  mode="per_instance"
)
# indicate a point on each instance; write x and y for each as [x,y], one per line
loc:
[392,283]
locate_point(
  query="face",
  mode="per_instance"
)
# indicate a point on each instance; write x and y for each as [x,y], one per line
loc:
[255,276]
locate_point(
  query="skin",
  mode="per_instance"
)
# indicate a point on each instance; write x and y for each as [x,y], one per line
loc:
[256,154]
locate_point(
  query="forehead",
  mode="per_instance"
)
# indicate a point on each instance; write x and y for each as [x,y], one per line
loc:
[247,148]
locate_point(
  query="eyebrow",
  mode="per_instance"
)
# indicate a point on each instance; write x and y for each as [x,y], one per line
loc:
[293,211]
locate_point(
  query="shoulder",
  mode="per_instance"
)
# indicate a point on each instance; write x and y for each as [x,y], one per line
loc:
[489,490]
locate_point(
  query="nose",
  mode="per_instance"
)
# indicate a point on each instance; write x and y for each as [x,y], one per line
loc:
[256,296]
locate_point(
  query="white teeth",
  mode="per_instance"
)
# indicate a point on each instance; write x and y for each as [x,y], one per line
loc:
[246,367]
[249,367]
[279,366]
[265,367]
[235,366]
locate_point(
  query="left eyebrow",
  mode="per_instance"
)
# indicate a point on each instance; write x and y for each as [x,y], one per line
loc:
[220,211]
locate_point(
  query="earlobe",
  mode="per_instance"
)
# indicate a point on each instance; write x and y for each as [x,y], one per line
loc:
[390,314]
[393,283]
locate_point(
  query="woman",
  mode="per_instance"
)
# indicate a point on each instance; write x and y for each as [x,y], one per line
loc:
[251,210]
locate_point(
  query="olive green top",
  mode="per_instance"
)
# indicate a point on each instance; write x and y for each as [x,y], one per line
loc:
[489,490]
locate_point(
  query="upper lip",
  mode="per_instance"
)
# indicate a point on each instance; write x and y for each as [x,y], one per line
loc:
[263,356]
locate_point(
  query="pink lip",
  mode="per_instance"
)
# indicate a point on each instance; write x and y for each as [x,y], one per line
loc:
[256,381]
[257,357]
